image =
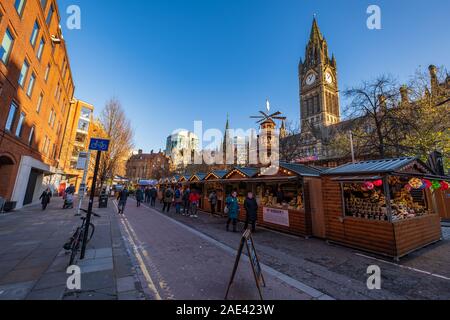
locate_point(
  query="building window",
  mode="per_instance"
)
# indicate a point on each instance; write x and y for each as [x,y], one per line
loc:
[34,34]
[31,136]
[23,73]
[50,15]
[11,115]
[31,85]
[6,47]
[20,125]
[47,72]
[51,119]
[86,113]
[83,126]
[39,103]
[41,49]
[19,5]
[46,145]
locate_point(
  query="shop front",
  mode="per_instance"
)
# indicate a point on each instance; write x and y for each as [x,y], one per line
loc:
[383,206]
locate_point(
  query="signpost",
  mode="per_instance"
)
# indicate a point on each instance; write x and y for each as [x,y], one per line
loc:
[247,241]
[83,164]
[99,145]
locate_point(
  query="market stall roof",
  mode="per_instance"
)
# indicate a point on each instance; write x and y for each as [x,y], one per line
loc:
[246,171]
[216,174]
[198,177]
[385,166]
[301,169]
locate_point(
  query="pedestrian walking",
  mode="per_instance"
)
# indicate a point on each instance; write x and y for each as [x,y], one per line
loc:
[153,195]
[45,198]
[186,195]
[178,200]
[147,195]
[139,196]
[232,209]
[213,201]
[194,200]
[122,197]
[168,199]
[251,209]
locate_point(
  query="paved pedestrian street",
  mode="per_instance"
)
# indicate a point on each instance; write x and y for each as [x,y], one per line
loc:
[33,262]
[150,255]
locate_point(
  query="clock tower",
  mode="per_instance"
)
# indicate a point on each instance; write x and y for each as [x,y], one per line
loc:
[319,91]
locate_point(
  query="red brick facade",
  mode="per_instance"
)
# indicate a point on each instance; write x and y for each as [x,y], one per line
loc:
[48,121]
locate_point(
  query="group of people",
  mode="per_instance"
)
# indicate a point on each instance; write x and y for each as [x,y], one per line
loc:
[232,209]
[148,195]
[186,201]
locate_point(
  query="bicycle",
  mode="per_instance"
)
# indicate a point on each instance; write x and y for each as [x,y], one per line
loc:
[75,243]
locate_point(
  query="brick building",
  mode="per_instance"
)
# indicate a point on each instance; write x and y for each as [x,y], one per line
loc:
[36,89]
[148,166]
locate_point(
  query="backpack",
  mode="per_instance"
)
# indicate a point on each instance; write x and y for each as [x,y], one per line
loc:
[168,193]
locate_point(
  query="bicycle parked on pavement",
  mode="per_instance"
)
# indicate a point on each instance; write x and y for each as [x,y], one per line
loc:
[76,241]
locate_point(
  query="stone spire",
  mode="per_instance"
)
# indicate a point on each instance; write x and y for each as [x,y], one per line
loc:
[316,35]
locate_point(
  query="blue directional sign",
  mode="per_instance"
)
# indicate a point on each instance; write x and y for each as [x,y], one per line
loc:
[99,144]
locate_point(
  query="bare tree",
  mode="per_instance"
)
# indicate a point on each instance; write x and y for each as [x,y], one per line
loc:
[373,108]
[290,146]
[118,129]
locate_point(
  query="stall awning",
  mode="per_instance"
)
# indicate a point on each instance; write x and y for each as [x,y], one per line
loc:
[356,178]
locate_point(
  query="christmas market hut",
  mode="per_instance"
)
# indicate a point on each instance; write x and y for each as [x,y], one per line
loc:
[290,199]
[196,185]
[382,206]
[212,183]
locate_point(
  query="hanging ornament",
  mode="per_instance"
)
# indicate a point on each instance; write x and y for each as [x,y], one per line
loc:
[370,186]
[364,187]
[436,185]
[408,188]
[378,183]
[415,183]
[445,185]
[427,183]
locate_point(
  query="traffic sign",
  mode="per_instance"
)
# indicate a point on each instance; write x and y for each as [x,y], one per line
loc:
[99,144]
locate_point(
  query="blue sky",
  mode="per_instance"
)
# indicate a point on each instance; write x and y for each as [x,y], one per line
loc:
[172,62]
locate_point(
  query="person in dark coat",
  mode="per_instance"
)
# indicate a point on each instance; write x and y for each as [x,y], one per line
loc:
[139,196]
[45,198]
[122,197]
[147,194]
[153,195]
[168,199]
[186,195]
[233,211]
[251,208]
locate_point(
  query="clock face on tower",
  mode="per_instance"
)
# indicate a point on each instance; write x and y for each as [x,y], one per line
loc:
[310,79]
[328,78]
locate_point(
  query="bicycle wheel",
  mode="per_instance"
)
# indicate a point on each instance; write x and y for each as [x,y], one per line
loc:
[75,248]
[92,227]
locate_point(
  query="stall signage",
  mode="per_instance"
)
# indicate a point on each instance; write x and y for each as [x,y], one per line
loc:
[276,216]
[247,241]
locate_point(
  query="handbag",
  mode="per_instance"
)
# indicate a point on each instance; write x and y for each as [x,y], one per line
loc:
[226,210]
